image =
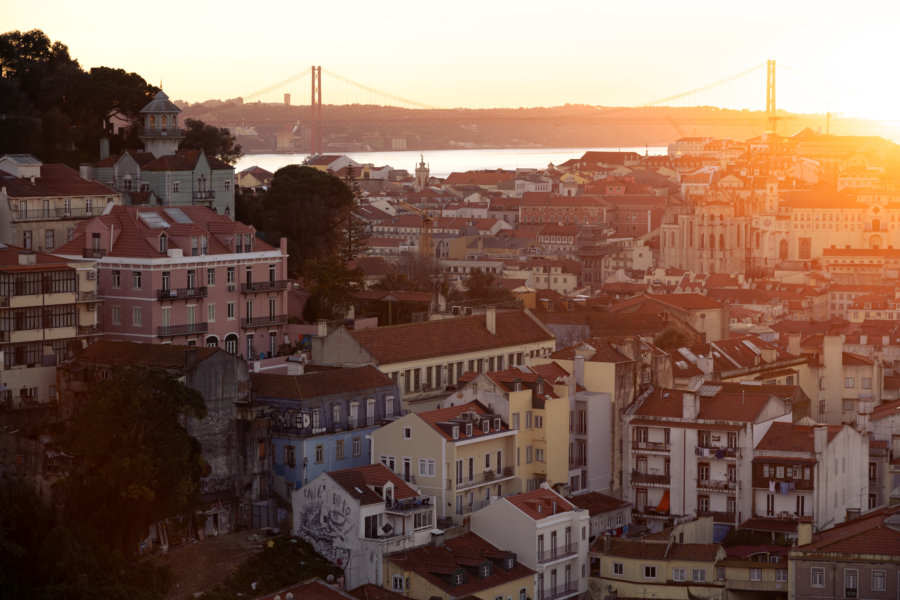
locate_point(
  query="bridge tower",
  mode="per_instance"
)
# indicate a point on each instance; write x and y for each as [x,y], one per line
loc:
[770,94]
[315,126]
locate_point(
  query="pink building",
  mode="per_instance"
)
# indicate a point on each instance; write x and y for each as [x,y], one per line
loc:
[185,275]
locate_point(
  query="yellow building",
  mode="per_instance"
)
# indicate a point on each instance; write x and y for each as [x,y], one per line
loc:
[462,455]
[463,567]
[48,306]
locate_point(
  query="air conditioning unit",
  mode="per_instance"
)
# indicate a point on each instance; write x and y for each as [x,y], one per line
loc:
[92,307]
[92,274]
[232,287]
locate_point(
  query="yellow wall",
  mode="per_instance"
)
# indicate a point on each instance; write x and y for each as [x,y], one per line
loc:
[422,588]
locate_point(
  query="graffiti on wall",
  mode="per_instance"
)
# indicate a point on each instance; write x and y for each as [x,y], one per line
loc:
[326,521]
[290,419]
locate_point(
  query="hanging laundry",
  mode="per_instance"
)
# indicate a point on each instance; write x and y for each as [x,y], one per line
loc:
[771,486]
[720,453]
[792,485]
[784,488]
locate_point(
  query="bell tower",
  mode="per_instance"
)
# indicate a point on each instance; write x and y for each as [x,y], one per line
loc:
[161,134]
[422,174]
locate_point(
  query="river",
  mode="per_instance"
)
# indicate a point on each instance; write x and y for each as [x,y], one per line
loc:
[444,162]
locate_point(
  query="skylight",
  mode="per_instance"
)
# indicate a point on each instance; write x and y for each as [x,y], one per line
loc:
[153,220]
[177,215]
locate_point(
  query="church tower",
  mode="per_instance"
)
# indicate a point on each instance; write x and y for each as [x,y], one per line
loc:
[161,135]
[422,175]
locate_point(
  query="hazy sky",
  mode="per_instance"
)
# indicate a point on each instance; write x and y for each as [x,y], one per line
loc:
[492,53]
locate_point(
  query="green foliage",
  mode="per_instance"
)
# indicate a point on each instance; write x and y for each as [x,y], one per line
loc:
[136,462]
[332,287]
[671,338]
[354,231]
[215,141]
[54,109]
[483,286]
[413,273]
[306,206]
[286,563]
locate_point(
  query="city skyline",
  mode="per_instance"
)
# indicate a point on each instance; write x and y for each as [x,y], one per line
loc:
[479,56]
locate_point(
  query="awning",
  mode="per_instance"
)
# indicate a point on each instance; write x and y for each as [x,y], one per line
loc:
[664,503]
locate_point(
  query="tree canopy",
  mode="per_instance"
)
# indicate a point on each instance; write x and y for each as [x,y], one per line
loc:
[136,463]
[215,141]
[482,286]
[52,108]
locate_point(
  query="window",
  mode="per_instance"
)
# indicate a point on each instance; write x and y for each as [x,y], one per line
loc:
[817,577]
[528,455]
[397,583]
[229,308]
[755,574]
[357,446]
[116,278]
[339,449]
[485,570]
[851,583]
[426,467]
[699,575]
[538,422]
[26,240]
[137,316]
[320,453]
[210,277]
[136,280]
[878,581]
[618,568]
[289,456]
[229,276]
[678,574]
[211,312]
[407,433]
[176,186]
[849,382]
[49,239]
[781,575]
[523,593]
[515,421]
[458,579]
[116,315]
[649,572]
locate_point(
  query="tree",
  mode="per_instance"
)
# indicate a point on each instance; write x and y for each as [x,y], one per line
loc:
[355,231]
[671,338]
[215,141]
[483,286]
[136,462]
[306,206]
[332,288]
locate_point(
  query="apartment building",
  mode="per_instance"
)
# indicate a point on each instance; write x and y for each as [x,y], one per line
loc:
[355,517]
[40,204]
[426,358]
[462,455]
[550,535]
[48,309]
[691,452]
[321,420]
[185,276]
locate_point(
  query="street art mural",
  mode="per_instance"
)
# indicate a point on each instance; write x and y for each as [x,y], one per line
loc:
[326,520]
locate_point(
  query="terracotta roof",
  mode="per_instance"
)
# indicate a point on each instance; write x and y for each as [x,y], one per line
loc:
[360,481]
[395,295]
[538,504]
[9,260]
[311,589]
[596,503]
[165,356]
[443,419]
[479,177]
[886,409]
[370,591]
[867,534]
[319,383]
[788,437]
[464,553]
[55,180]
[770,524]
[662,403]
[415,341]
[732,407]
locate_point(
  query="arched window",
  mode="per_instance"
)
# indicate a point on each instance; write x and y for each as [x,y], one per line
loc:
[231,343]
[212,341]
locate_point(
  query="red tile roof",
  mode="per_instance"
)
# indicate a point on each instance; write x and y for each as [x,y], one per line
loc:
[9,260]
[55,181]
[867,534]
[596,503]
[311,589]
[442,420]
[662,403]
[479,177]
[427,339]
[164,356]
[659,550]
[360,481]
[538,504]
[788,437]
[886,409]
[319,383]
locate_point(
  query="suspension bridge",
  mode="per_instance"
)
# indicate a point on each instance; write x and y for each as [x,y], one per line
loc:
[751,90]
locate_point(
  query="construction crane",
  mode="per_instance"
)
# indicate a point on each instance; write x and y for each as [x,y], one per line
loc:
[426,247]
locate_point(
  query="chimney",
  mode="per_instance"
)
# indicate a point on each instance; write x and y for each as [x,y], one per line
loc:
[820,438]
[490,317]
[554,507]
[689,408]
[607,544]
[321,328]
[804,533]
[794,343]
[104,148]
[579,370]
[27,257]
[84,170]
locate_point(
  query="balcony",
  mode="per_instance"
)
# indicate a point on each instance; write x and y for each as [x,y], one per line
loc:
[173,330]
[649,479]
[720,452]
[87,296]
[263,321]
[264,286]
[716,485]
[756,586]
[649,446]
[484,478]
[52,214]
[162,133]
[204,195]
[409,505]
[93,253]
[181,293]
[560,591]
[88,330]
[546,555]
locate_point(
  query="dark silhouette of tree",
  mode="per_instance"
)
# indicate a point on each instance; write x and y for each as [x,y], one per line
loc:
[332,287]
[482,286]
[136,463]
[354,241]
[306,206]
[215,141]
[671,338]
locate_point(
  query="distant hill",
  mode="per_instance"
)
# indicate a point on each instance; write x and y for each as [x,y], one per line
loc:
[360,127]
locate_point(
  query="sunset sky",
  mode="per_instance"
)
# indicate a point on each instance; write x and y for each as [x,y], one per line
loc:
[493,54]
